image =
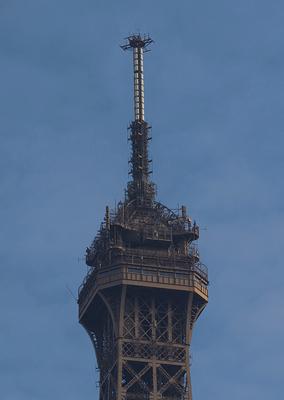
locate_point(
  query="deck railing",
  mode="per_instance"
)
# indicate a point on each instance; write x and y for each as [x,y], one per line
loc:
[161,261]
[129,269]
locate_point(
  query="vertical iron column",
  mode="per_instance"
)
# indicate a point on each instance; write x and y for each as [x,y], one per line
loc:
[140,188]
[138,84]
[139,45]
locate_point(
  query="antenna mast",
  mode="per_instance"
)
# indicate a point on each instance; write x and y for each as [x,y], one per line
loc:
[139,45]
[140,188]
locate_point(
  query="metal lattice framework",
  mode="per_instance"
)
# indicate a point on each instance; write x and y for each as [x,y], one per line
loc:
[142,338]
[146,286]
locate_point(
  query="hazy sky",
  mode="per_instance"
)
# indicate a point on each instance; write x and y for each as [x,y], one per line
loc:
[214,96]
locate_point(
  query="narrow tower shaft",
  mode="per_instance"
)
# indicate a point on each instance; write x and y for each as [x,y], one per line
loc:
[138,83]
[139,45]
[140,189]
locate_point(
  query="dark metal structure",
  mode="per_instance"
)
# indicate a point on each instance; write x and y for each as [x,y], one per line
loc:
[146,286]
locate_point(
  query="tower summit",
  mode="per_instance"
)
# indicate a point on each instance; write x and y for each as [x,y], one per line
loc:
[146,286]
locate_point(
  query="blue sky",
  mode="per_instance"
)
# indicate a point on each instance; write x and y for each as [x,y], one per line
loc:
[214,96]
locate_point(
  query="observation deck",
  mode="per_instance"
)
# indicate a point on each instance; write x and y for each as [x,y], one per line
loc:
[132,268]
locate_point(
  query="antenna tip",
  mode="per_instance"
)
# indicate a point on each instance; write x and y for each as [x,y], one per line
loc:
[137,41]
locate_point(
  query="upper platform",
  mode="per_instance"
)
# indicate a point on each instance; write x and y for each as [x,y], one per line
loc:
[133,268]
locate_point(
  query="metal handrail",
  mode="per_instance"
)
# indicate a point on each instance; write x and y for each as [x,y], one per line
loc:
[117,271]
[160,261]
[141,273]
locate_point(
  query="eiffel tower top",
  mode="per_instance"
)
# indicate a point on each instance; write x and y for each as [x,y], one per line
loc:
[146,286]
[140,223]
